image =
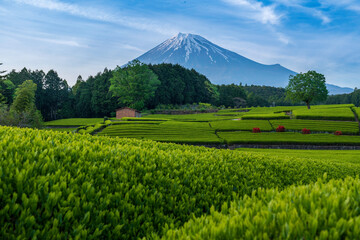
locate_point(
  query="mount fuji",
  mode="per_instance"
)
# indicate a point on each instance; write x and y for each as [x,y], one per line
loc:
[219,65]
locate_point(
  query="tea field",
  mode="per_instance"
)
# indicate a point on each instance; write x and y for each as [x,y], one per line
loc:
[235,126]
[77,186]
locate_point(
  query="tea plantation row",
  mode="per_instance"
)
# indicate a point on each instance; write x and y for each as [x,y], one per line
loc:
[60,185]
[316,211]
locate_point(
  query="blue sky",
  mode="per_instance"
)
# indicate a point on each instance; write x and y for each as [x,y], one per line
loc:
[83,37]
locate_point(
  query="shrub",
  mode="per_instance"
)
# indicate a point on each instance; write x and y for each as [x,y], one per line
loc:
[280,129]
[317,211]
[256,130]
[338,133]
[305,131]
[76,186]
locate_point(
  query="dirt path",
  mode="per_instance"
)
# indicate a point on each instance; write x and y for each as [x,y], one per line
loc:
[356,117]
[271,125]
[216,133]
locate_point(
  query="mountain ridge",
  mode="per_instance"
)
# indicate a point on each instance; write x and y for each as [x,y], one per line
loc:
[219,65]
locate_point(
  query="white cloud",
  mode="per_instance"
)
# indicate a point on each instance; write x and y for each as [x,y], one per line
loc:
[69,43]
[299,4]
[131,47]
[352,5]
[325,19]
[98,15]
[282,38]
[258,11]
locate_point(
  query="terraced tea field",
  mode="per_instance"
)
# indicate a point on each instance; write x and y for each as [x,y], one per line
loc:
[170,131]
[318,125]
[80,186]
[288,138]
[235,126]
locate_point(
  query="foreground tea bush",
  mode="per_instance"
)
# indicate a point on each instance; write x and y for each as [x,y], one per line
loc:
[80,186]
[317,211]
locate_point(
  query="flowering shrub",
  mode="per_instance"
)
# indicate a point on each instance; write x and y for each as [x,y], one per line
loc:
[256,130]
[338,133]
[306,131]
[280,129]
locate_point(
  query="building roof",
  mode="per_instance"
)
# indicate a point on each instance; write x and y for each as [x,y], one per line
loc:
[127,108]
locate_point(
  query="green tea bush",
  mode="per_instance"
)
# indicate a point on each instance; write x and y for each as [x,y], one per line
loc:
[241,125]
[286,138]
[65,185]
[316,211]
[340,114]
[265,116]
[319,125]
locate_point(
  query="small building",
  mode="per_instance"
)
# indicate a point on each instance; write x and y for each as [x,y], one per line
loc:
[127,112]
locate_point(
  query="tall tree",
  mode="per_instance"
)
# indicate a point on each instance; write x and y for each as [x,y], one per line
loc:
[2,75]
[134,85]
[307,87]
[56,91]
[23,112]
[102,101]
[24,97]
[2,100]
[7,89]
[83,99]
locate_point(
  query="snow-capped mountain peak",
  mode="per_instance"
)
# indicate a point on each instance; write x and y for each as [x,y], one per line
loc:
[221,66]
[184,46]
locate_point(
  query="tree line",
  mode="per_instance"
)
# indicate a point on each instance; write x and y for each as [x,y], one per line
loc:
[55,99]
[140,86]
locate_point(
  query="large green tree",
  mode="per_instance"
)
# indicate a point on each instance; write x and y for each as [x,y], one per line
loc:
[23,112]
[56,91]
[24,97]
[134,84]
[307,87]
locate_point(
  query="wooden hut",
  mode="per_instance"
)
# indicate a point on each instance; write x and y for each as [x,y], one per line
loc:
[127,112]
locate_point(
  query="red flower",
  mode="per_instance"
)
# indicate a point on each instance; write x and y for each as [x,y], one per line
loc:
[256,130]
[306,131]
[337,133]
[280,129]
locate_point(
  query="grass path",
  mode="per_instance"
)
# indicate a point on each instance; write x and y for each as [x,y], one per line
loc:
[356,117]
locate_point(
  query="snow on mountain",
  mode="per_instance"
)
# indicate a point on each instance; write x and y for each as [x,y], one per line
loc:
[221,66]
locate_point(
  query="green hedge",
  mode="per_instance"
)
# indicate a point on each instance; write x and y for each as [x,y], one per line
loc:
[79,186]
[74,122]
[143,119]
[318,125]
[241,125]
[287,138]
[170,131]
[265,116]
[317,211]
[340,114]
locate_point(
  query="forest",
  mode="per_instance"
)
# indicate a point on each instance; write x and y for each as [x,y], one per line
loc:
[176,87]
